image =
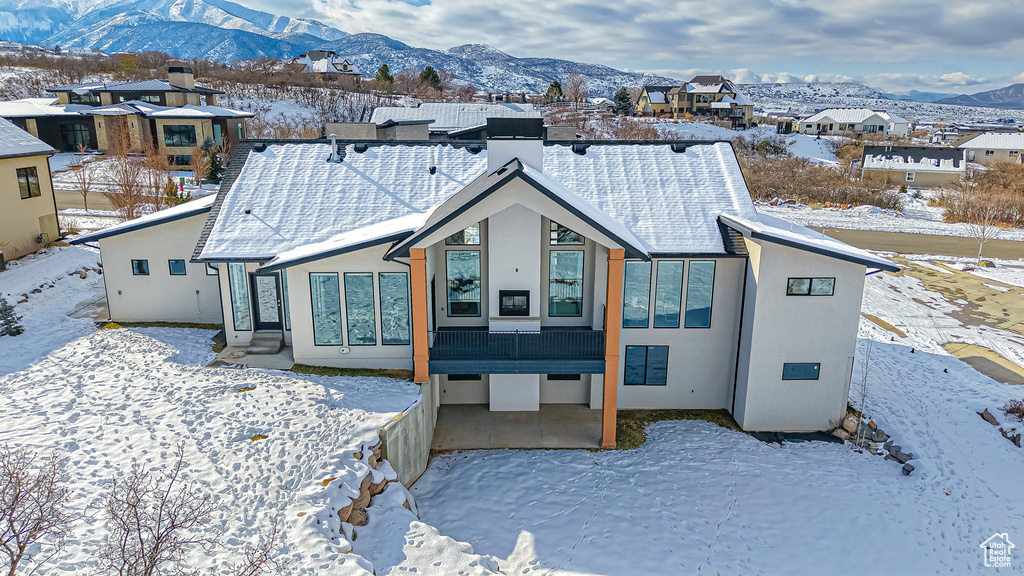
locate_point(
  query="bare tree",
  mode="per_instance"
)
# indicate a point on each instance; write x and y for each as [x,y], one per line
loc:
[33,508]
[260,558]
[128,173]
[200,164]
[983,221]
[83,175]
[575,88]
[155,174]
[153,520]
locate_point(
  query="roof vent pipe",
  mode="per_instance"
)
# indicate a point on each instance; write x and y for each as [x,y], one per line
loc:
[433,163]
[335,157]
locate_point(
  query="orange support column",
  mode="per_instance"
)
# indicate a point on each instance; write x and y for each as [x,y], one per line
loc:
[420,349]
[612,325]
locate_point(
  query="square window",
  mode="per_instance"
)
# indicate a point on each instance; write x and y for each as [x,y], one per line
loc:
[799,287]
[822,286]
[990,152]
[801,371]
[28,182]
[140,267]
[910,176]
[211,269]
[177,267]
[646,366]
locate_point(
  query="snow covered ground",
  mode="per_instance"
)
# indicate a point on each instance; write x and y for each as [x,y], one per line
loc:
[816,149]
[103,176]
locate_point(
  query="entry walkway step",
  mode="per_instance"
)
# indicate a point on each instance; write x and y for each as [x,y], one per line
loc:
[266,342]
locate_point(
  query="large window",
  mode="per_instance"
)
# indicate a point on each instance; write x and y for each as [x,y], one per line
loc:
[394,307]
[700,287]
[28,182]
[636,294]
[668,294]
[801,371]
[468,237]
[87,98]
[238,285]
[176,267]
[810,286]
[561,235]
[646,366]
[565,289]
[326,299]
[180,136]
[359,308]
[140,267]
[463,282]
[74,135]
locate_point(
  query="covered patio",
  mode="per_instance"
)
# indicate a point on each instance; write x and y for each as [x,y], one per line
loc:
[474,426]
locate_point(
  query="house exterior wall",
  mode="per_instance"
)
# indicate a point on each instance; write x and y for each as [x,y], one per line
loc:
[204,130]
[921,179]
[980,155]
[513,238]
[351,130]
[24,219]
[701,361]
[778,329]
[160,296]
[305,349]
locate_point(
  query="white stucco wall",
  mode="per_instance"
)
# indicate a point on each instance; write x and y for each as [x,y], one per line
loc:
[514,392]
[160,296]
[701,361]
[513,239]
[781,329]
[22,220]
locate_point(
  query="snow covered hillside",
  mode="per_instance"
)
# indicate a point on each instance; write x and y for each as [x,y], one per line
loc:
[818,150]
[807,98]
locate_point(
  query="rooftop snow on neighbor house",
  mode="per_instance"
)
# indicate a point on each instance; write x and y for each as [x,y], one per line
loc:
[669,200]
[16,142]
[453,116]
[996,141]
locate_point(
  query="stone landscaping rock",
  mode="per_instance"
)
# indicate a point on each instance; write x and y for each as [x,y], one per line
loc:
[842,434]
[988,417]
[907,469]
[879,436]
[850,424]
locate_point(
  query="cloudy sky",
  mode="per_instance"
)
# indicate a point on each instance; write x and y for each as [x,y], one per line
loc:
[932,45]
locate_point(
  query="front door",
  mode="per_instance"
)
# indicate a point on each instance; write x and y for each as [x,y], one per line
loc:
[266,293]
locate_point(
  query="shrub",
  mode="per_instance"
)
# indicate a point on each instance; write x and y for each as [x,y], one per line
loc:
[10,322]
[1014,408]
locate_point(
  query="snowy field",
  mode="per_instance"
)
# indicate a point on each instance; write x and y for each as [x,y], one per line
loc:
[695,499]
[818,150]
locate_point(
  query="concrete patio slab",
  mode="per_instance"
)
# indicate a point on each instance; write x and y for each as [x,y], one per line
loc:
[283,360]
[474,427]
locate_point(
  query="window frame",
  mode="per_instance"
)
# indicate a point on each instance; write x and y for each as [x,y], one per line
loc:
[348,308]
[682,287]
[553,230]
[245,292]
[312,310]
[711,300]
[646,363]
[911,176]
[408,307]
[136,266]
[791,378]
[625,284]
[30,189]
[170,267]
[451,241]
[582,279]
[173,134]
[810,284]
[447,287]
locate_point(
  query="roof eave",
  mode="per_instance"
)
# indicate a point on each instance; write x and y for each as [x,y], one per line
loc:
[390,239]
[95,236]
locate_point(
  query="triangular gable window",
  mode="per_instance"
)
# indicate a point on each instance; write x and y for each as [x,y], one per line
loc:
[560,235]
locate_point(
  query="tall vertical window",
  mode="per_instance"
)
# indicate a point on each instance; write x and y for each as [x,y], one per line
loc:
[700,286]
[463,282]
[28,182]
[565,288]
[394,307]
[468,237]
[326,300]
[563,236]
[181,136]
[217,138]
[646,366]
[636,294]
[238,285]
[284,300]
[668,294]
[359,308]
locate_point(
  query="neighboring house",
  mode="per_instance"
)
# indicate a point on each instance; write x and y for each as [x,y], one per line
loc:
[323,62]
[445,120]
[653,101]
[915,166]
[533,272]
[81,114]
[991,147]
[944,134]
[147,268]
[854,122]
[28,210]
[714,98]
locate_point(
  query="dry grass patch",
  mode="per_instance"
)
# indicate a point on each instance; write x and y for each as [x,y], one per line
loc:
[367,372]
[631,426]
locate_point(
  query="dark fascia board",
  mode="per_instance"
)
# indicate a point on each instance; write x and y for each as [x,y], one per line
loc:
[696,255]
[338,251]
[751,233]
[516,173]
[141,226]
[242,260]
[468,130]
[28,154]
[390,123]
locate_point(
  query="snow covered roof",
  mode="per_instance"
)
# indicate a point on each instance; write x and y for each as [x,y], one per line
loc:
[849,115]
[994,141]
[454,116]
[15,142]
[179,212]
[134,86]
[34,107]
[156,111]
[692,88]
[772,229]
[913,158]
[667,200]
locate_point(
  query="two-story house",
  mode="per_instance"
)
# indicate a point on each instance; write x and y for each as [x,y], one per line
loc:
[711,97]
[28,210]
[515,272]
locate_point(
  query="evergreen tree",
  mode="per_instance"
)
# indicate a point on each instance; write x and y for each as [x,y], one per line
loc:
[216,168]
[431,78]
[622,103]
[9,321]
[554,92]
[385,81]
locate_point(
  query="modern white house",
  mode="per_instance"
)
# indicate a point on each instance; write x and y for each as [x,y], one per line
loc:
[854,122]
[515,272]
[991,147]
[915,166]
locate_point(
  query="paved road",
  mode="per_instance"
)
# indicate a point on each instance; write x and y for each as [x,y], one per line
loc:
[927,244]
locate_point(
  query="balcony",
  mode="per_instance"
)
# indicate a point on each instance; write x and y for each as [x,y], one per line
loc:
[548,351]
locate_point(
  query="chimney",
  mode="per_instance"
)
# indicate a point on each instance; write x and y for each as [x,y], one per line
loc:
[181,77]
[509,138]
